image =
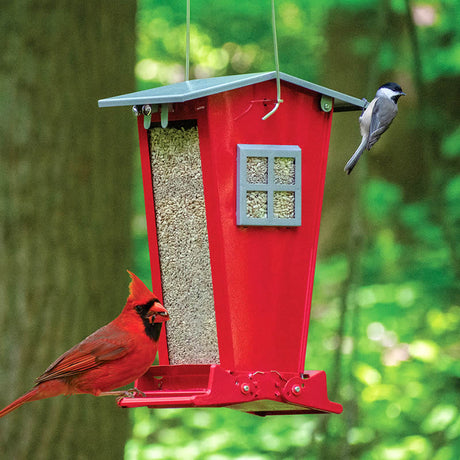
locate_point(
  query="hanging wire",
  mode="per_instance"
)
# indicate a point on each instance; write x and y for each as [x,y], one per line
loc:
[277,66]
[187,44]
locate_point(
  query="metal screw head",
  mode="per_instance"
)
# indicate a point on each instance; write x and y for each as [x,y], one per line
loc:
[326,103]
[146,109]
[136,110]
[245,388]
[296,389]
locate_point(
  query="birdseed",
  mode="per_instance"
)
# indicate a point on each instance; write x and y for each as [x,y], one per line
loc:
[284,168]
[256,202]
[284,205]
[257,170]
[183,245]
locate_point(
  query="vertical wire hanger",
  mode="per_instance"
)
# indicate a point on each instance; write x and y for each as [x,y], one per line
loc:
[277,66]
[187,44]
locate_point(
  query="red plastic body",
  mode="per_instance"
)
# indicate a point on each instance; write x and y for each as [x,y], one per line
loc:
[262,276]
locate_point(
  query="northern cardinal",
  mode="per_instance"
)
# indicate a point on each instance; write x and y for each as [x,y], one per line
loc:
[113,356]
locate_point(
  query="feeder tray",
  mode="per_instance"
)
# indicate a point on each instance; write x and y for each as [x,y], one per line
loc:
[259,393]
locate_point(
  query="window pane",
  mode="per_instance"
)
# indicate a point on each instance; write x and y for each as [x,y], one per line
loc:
[257,170]
[284,170]
[256,204]
[284,205]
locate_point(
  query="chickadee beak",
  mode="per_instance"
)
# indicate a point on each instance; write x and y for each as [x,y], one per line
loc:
[403,94]
[158,313]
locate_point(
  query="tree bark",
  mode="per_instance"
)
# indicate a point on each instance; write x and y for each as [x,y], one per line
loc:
[65,182]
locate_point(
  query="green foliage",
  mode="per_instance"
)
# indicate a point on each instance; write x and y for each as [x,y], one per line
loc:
[215,434]
[381,200]
[452,197]
[396,363]
[441,40]
[451,144]
[227,38]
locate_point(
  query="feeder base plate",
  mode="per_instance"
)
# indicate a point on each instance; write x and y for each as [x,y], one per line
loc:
[258,392]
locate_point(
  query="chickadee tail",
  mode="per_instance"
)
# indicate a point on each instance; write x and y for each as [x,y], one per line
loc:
[354,159]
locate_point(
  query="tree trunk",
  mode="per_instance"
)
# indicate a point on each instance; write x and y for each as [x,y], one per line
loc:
[65,182]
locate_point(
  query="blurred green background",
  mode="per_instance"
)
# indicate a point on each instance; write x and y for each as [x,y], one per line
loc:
[385,312]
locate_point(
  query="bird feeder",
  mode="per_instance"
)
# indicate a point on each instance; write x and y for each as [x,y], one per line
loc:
[233,206]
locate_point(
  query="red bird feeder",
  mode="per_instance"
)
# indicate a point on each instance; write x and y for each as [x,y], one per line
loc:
[233,206]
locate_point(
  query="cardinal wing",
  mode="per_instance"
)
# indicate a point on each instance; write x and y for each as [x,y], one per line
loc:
[383,114]
[88,354]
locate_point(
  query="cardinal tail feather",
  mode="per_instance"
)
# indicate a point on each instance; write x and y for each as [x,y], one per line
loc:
[354,159]
[32,395]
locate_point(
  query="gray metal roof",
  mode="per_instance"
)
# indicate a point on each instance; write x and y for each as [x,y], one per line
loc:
[193,89]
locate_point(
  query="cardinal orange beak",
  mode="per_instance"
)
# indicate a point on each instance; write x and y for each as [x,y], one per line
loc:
[158,313]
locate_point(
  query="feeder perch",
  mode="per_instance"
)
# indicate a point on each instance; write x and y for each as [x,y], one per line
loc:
[233,206]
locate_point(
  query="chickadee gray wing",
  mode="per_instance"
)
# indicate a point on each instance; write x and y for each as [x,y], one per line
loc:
[383,114]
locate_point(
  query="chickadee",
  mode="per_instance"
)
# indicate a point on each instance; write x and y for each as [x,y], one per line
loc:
[376,119]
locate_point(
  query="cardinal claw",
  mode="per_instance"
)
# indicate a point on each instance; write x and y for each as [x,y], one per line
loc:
[133,392]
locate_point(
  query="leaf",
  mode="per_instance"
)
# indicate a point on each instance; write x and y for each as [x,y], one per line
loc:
[439,418]
[451,144]
[424,350]
[381,200]
[367,374]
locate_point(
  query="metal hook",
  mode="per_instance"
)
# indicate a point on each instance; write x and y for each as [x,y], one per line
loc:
[277,66]
[269,114]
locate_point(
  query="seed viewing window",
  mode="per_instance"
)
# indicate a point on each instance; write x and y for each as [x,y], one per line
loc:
[269,185]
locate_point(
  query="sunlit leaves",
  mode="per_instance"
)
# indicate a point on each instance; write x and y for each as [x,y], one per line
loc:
[399,351]
[357,435]
[440,418]
[443,321]
[377,392]
[215,434]
[227,38]
[367,374]
[424,350]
